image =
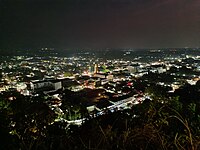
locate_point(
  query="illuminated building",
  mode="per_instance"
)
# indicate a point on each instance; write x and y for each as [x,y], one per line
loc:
[95,68]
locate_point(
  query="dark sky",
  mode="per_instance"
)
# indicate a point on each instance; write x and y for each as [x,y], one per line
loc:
[99,23]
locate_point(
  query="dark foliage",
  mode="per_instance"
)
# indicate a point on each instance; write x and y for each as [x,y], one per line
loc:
[162,123]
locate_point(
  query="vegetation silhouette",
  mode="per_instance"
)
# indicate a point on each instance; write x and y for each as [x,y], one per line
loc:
[165,122]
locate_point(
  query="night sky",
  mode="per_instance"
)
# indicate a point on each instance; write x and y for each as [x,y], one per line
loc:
[99,23]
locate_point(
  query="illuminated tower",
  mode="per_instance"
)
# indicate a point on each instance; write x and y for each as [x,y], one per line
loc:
[90,69]
[95,68]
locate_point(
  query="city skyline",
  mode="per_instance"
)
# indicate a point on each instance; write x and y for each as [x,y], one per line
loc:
[100,24]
